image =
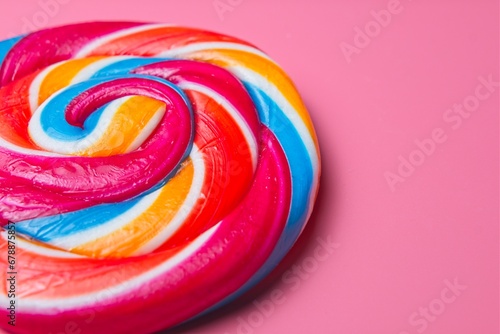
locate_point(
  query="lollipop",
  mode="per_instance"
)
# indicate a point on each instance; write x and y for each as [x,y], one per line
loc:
[148,173]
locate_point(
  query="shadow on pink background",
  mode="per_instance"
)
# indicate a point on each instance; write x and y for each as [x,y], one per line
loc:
[404,96]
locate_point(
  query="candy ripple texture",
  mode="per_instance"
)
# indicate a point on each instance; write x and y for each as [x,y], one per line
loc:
[153,173]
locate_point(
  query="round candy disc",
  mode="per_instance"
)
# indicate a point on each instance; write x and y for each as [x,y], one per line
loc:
[148,173]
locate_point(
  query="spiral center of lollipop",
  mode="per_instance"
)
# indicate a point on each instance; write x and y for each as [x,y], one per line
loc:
[140,155]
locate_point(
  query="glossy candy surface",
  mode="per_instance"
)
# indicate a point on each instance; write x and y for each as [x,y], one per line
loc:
[153,172]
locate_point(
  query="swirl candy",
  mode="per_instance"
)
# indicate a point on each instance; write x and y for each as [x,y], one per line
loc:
[151,173]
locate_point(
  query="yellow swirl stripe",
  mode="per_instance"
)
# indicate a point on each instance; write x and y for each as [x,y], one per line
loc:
[128,123]
[62,75]
[128,239]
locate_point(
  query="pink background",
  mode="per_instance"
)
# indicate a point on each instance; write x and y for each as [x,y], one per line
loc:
[396,247]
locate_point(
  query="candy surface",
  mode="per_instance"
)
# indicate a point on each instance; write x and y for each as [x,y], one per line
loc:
[152,172]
